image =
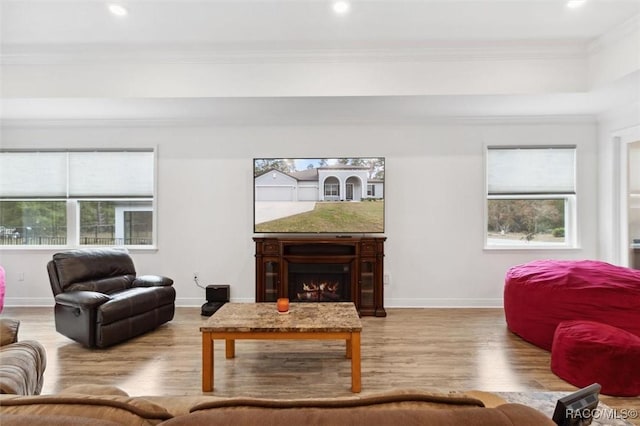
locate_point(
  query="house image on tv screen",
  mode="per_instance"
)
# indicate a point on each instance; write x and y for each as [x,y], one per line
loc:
[327,183]
[304,195]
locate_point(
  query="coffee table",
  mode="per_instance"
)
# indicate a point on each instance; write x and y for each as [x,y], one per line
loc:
[261,321]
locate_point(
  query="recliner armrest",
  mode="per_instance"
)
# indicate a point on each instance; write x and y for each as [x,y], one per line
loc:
[82,299]
[152,281]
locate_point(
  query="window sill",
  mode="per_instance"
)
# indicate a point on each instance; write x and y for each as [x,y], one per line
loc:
[132,249]
[531,248]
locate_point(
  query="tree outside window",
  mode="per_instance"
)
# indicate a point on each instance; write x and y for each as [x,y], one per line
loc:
[525,220]
[33,223]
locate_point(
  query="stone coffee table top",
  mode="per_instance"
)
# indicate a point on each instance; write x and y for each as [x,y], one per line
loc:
[302,317]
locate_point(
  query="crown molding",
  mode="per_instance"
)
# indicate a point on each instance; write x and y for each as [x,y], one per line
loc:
[248,122]
[629,28]
[206,53]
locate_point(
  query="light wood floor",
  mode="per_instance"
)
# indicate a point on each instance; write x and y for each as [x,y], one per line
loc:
[432,349]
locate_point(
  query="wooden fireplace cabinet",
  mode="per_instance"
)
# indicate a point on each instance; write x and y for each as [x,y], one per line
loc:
[365,255]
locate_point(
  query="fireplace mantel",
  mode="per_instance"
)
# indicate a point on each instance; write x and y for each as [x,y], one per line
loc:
[359,260]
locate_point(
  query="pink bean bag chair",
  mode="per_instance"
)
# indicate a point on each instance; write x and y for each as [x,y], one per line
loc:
[539,295]
[586,352]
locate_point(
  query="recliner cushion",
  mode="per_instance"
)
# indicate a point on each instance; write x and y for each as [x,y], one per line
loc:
[77,266]
[134,301]
[104,285]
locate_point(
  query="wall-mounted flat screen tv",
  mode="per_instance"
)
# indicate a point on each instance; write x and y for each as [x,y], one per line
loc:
[319,195]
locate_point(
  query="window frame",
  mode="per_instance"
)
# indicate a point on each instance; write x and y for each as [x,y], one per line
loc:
[73,205]
[329,189]
[371,190]
[570,207]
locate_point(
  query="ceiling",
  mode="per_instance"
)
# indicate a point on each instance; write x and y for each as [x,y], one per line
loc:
[39,26]
[305,23]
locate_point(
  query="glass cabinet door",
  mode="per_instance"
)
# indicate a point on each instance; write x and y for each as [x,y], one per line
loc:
[367,281]
[271,280]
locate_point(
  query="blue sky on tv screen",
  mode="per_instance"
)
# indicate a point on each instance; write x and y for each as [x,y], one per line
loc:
[303,163]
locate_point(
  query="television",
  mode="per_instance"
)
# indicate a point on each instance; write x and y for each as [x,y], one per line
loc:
[577,409]
[319,195]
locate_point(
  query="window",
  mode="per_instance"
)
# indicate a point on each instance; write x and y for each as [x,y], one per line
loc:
[371,190]
[116,222]
[72,198]
[33,223]
[530,197]
[331,188]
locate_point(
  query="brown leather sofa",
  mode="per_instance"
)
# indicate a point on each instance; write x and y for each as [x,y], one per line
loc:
[22,363]
[99,300]
[99,405]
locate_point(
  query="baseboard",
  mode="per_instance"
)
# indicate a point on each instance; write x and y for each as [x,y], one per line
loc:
[444,303]
[389,303]
[29,301]
[48,301]
[185,302]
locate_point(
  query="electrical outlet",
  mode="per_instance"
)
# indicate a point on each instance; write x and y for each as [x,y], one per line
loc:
[386,279]
[20,276]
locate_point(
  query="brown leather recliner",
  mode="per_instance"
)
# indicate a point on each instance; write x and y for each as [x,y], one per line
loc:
[101,302]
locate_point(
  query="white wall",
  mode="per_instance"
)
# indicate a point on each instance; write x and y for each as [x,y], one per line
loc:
[434,202]
[615,56]
[616,129]
[522,70]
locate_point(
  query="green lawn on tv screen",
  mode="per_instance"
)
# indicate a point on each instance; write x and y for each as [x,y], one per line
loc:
[353,217]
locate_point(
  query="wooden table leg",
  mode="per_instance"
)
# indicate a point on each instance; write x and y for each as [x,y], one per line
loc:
[230,348]
[207,362]
[356,378]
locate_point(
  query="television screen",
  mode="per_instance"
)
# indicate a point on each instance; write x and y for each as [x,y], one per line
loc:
[577,409]
[318,195]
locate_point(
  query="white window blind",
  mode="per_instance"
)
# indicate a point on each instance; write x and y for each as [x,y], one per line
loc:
[63,174]
[110,174]
[33,174]
[520,171]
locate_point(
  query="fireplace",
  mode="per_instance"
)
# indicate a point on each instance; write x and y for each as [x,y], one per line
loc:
[322,269]
[319,282]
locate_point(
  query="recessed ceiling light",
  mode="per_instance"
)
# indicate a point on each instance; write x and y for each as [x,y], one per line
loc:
[572,4]
[341,7]
[117,9]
